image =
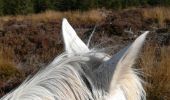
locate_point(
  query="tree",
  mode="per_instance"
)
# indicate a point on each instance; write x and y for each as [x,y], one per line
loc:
[1,7]
[42,5]
[154,2]
[17,7]
[165,2]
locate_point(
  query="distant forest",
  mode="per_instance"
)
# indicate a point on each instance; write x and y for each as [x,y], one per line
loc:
[14,7]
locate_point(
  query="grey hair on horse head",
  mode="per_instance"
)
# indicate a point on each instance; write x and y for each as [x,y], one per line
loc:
[80,73]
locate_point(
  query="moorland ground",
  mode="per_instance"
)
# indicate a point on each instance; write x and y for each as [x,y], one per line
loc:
[30,42]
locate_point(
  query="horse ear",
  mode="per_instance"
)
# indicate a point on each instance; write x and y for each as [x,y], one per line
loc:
[123,68]
[73,44]
[132,52]
[118,71]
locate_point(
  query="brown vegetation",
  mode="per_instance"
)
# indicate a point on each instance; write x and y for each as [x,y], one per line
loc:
[77,17]
[155,63]
[10,75]
[161,15]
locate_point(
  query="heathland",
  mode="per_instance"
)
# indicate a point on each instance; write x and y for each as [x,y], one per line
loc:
[30,42]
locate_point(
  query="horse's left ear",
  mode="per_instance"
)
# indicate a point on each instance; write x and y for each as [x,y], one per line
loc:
[73,44]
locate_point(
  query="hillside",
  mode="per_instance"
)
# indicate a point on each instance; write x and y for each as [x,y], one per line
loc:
[30,42]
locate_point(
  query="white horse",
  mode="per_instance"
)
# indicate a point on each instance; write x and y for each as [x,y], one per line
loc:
[83,74]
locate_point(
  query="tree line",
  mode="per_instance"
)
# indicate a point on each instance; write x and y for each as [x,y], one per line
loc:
[14,7]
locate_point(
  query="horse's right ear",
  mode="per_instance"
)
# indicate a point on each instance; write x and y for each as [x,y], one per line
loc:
[73,44]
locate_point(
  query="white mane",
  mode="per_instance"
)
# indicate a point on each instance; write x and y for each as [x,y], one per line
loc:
[82,74]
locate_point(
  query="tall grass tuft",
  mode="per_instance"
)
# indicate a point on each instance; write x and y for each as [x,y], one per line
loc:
[160,14]
[9,74]
[155,63]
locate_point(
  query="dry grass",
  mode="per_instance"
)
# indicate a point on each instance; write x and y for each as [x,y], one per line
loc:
[155,62]
[160,14]
[10,76]
[8,67]
[87,17]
